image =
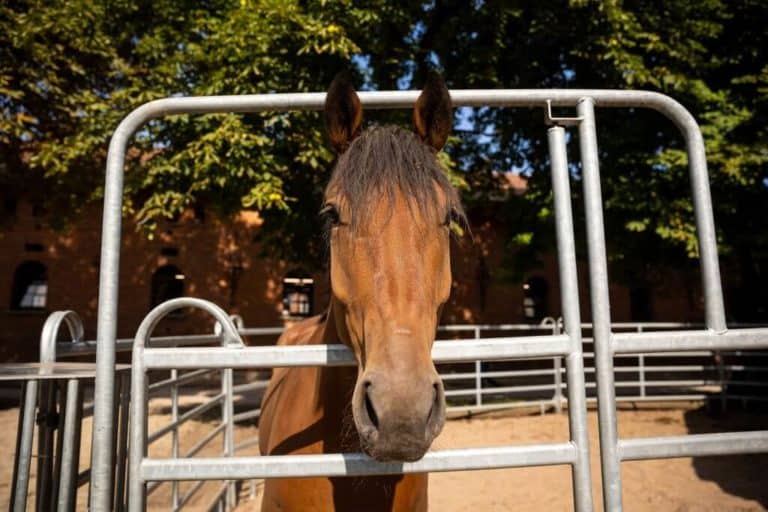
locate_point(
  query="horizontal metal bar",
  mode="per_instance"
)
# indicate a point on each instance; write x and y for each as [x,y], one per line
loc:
[729,443]
[354,464]
[84,477]
[261,331]
[153,486]
[492,327]
[660,369]
[190,414]
[247,415]
[189,494]
[205,440]
[659,398]
[216,500]
[340,355]
[126,344]
[501,390]
[668,384]
[661,341]
[675,353]
[499,374]
[250,386]
[247,443]
[187,377]
[67,348]
[459,409]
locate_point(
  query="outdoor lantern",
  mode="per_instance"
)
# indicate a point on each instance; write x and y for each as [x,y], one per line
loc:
[297,296]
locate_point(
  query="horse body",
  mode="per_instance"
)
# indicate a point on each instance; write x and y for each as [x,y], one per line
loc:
[389,208]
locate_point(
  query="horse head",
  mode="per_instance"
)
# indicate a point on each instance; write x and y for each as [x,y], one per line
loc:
[389,207]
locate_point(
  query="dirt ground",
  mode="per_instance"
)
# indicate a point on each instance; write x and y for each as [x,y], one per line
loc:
[737,483]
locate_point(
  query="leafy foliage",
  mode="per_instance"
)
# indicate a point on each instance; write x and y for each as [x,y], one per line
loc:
[69,71]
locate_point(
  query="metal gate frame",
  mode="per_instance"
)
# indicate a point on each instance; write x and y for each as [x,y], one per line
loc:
[574,452]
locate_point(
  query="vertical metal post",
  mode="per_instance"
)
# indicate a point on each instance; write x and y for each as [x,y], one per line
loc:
[478,376]
[23,458]
[62,398]
[122,444]
[46,430]
[719,358]
[641,367]
[557,365]
[70,456]
[175,435]
[705,226]
[106,325]
[601,309]
[228,416]
[138,438]
[569,296]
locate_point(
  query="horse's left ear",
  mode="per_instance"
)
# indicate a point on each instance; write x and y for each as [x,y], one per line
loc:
[433,113]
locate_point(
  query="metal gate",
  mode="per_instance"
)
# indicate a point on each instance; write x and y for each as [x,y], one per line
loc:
[574,452]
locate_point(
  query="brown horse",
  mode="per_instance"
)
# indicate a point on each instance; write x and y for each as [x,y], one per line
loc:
[389,206]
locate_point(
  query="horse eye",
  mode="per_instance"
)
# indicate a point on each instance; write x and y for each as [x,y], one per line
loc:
[451,216]
[330,214]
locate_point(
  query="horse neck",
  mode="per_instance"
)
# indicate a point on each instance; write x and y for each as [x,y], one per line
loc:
[336,385]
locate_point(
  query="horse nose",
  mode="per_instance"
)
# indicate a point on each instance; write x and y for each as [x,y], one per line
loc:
[398,420]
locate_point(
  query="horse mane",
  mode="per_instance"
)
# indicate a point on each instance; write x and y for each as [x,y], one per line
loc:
[385,160]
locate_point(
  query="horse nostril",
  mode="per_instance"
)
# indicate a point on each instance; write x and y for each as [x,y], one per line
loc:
[437,395]
[369,407]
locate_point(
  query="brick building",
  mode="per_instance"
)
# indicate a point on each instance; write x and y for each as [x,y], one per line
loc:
[43,271]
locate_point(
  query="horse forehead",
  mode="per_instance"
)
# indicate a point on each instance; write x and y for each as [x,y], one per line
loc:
[399,212]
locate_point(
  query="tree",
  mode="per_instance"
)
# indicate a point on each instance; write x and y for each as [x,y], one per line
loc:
[69,73]
[710,55]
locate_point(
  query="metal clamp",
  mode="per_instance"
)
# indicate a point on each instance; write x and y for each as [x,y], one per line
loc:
[550,120]
[237,320]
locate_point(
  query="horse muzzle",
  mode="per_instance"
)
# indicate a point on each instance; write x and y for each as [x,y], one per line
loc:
[398,417]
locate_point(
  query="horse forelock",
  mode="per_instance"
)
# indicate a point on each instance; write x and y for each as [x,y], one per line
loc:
[387,162]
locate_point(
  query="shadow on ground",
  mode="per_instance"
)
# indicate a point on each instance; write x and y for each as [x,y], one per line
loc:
[733,474]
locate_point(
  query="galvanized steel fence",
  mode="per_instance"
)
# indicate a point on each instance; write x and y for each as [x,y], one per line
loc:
[471,387]
[607,345]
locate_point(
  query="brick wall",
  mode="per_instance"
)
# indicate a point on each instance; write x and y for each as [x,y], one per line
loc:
[220,263]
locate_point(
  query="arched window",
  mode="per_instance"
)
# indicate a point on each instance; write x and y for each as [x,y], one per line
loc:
[167,283]
[535,299]
[30,286]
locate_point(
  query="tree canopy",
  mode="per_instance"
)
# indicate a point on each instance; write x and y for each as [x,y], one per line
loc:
[70,71]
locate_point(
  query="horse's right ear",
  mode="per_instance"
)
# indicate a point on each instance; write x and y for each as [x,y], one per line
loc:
[343,113]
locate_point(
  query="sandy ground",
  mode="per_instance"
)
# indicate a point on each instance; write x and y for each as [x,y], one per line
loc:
[737,483]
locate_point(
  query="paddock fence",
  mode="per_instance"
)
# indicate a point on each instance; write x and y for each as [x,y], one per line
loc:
[609,347]
[226,398]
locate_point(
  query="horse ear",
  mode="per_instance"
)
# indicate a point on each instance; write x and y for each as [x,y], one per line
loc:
[433,113]
[343,113]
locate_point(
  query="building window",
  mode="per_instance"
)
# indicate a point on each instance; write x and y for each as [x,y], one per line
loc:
[30,286]
[167,283]
[297,296]
[535,299]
